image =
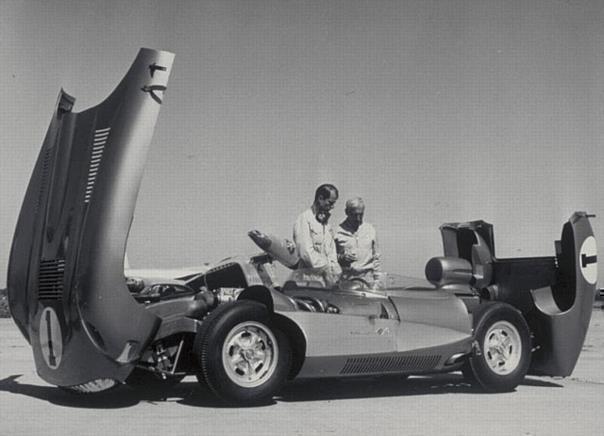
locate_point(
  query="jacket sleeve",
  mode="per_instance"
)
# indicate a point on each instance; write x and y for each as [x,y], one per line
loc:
[332,256]
[340,250]
[302,237]
[377,263]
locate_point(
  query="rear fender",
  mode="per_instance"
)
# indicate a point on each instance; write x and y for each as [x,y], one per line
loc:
[554,293]
[563,311]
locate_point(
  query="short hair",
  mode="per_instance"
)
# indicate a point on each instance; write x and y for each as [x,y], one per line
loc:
[325,191]
[354,202]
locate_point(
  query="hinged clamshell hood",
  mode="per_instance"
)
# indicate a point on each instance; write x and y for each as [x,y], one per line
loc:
[66,284]
[555,293]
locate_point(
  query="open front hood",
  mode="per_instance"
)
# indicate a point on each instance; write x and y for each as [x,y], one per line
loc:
[66,284]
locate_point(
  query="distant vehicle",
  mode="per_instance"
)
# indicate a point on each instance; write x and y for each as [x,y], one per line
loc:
[91,327]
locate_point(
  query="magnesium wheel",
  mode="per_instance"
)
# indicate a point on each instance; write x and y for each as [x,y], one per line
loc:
[502,351]
[242,357]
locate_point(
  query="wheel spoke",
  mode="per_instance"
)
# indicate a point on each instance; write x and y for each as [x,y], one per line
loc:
[250,370]
[239,342]
[236,359]
[494,339]
[258,344]
[255,364]
[506,342]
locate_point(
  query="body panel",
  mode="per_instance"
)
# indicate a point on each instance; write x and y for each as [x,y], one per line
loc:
[416,331]
[69,243]
[555,293]
[418,361]
[563,320]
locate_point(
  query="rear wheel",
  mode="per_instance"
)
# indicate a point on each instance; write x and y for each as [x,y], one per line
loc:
[242,357]
[502,351]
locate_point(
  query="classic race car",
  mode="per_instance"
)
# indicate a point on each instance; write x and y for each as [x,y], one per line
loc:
[91,326]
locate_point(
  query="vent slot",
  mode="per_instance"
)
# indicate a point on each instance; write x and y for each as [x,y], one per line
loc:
[96,156]
[43,180]
[381,364]
[50,279]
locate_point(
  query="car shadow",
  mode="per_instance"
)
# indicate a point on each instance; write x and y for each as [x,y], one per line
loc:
[201,396]
[113,399]
[540,383]
[391,386]
[372,387]
[121,396]
[195,395]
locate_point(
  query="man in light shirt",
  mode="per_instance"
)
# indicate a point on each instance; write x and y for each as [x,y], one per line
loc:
[356,244]
[314,239]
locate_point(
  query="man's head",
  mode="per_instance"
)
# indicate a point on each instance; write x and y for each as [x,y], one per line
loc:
[326,196]
[355,209]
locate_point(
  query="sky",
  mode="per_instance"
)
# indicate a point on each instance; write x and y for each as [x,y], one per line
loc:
[432,111]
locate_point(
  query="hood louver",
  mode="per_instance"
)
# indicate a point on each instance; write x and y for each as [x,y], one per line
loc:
[50,279]
[98,147]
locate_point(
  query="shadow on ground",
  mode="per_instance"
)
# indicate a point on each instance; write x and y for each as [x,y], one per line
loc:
[335,389]
[194,395]
[119,397]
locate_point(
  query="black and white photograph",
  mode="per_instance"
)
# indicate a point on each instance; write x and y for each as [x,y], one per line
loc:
[301,217]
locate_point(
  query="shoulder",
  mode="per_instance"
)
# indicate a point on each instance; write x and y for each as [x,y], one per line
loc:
[304,215]
[308,213]
[341,230]
[305,219]
[369,228]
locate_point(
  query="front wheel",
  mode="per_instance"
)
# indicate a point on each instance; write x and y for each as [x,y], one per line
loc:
[502,349]
[92,387]
[242,357]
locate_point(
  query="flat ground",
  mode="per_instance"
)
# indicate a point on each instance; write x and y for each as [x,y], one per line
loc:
[417,406]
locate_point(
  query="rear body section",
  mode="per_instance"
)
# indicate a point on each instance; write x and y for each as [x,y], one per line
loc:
[66,284]
[554,293]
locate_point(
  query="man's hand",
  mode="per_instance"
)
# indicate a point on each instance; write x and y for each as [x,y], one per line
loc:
[349,257]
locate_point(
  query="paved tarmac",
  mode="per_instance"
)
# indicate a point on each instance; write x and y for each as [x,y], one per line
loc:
[442,405]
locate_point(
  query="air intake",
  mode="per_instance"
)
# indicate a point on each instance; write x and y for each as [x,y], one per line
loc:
[366,365]
[50,279]
[98,147]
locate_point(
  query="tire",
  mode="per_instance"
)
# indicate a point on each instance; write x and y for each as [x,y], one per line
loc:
[468,374]
[502,352]
[243,359]
[93,387]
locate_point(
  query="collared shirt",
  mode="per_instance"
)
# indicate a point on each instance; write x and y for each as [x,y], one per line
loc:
[362,244]
[315,243]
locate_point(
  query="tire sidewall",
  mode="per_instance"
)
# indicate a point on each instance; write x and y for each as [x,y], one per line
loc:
[208,351]
[488,379]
